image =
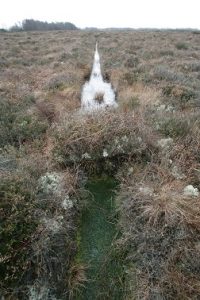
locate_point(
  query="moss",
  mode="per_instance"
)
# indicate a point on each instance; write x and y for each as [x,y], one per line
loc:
[96,243]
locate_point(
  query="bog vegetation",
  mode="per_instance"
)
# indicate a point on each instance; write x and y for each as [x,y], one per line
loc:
[150,143]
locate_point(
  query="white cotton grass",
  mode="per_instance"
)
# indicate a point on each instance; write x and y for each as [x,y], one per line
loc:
[97,93]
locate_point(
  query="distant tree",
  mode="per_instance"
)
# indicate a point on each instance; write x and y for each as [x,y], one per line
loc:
[17,27]
[3,30]
[35,25]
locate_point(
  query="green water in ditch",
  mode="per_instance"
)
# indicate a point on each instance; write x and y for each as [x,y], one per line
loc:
[97,250]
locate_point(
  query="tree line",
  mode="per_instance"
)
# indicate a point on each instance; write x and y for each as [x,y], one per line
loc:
[34,25]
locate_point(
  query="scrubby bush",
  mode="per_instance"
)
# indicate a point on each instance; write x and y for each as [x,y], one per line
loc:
[18,222]
[181,46]
[46,110]
[3,62]
[174,126]
[179,95]
[16,127]
[106,137]
[129,78]
[18,226]
[58,82]
[194,66]
[37,227]
[162,72]
[132,62]
[130,103]
[166,53]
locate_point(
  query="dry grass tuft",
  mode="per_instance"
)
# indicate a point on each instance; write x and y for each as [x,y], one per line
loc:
[161,230]
[46,110]
[108,136]
[77,279]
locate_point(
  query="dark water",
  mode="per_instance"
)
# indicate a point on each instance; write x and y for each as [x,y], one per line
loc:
[98,231]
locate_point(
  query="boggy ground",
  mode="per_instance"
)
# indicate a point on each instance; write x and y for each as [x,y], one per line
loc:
[48,148]
[97,235]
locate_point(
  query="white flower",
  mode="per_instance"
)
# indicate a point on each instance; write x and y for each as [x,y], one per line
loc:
[67,203]
[105,153]
[116,141]
[125,139]
[165,143]
[130,170]
[161,107]
[86,155]
[189,190]
[119,147]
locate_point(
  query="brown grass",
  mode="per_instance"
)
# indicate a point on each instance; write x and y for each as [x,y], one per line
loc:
[83,140]
[77,279]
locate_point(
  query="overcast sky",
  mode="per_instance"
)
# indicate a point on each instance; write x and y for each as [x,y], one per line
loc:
[105,13]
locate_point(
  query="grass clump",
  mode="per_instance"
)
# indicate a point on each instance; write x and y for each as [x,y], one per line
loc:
[18,226]
[131,103]
[59,82]
[46,110]
[179,95]
[132,62]
[174,127]
[16,127]
[161,229]
[166,52]
[181,46]
[92,140]
[162,72]
[129,78]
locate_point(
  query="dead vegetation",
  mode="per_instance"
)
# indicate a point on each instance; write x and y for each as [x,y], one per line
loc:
[99,97]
